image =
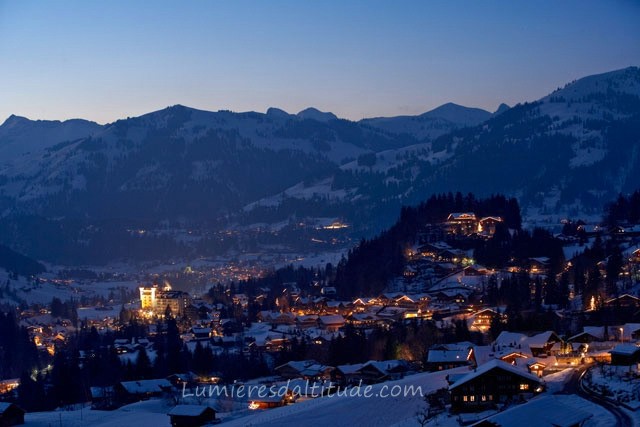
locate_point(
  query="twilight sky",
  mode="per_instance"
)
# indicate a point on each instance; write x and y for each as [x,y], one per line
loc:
[105,60]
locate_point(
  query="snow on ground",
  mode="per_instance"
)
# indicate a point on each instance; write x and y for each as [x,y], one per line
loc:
[150,413]
[43,292]
[620,383]
[376,410]
[555,382]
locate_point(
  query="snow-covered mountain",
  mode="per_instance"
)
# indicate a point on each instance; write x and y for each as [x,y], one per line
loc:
[573,150]
[433,123]
[577,147]
[20,136]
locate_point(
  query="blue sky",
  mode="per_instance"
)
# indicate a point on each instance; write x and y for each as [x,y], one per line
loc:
[104,60]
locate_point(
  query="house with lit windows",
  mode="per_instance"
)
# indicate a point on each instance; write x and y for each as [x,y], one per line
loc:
[490,384]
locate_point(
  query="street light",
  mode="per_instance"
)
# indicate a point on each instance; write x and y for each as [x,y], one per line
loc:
[621,335]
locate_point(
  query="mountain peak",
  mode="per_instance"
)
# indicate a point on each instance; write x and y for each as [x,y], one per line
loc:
[458,114]
[501,109]
[625,80]
[277,112]
[14,120]
[315,114]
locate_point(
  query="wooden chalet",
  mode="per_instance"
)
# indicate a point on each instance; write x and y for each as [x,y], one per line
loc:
[309,369]
[11,414]
[625,354]
[374,372]
[623,301]
[133,391]
[192,416]
[462,223]
[492,383]
[439,360]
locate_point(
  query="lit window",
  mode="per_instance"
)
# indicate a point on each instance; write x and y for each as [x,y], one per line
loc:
[524,386]
[472,398]
[484,398]
[464,398]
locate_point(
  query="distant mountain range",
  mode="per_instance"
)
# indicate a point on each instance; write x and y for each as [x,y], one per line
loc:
[577,148]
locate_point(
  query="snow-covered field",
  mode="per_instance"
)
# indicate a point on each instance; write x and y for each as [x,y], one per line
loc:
[354,411]
[151,413]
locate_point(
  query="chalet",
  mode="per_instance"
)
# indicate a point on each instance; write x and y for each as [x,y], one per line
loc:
[589,334]
[439,360]
[276,344]
[268,401]
[374,372]
[391,314]
[487,225]
[306,322]
[406,301]
[103,397]
[283,319]
[545,343]
[347,374]
[625,354]
[201,333]
[11,414]
[304,369]
[337,307]
[363,319]
[192,415]
[433,250]
[462,223]
[133,391]
[481,320]
[492,383]
[547,411]
[623,301]
[512,357]
[331,322]
[539,265]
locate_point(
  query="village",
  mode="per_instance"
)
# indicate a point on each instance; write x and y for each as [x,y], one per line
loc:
[297,334]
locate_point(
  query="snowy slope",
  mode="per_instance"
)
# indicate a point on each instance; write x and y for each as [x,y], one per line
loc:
[20,136]
[433,123]
[353,411]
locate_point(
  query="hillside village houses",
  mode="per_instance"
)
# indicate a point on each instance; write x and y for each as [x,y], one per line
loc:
[442,284]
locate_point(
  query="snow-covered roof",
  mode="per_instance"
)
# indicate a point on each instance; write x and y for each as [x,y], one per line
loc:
[145,386]
[540,340]
[440,356]
[350,369]
[546,411]
[384,366]
[507,338]
[189,410]
[494,364]
[334,319]
[4,406]
[625,349]
[462,215]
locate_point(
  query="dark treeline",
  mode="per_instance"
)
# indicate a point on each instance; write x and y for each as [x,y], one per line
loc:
[369,266]
[19,264]
[625,210]
[505,248]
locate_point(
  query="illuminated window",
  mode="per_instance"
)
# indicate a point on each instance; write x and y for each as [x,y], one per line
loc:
[491,397]
[464,398]
[484,398]
[472,398]
[524,386]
